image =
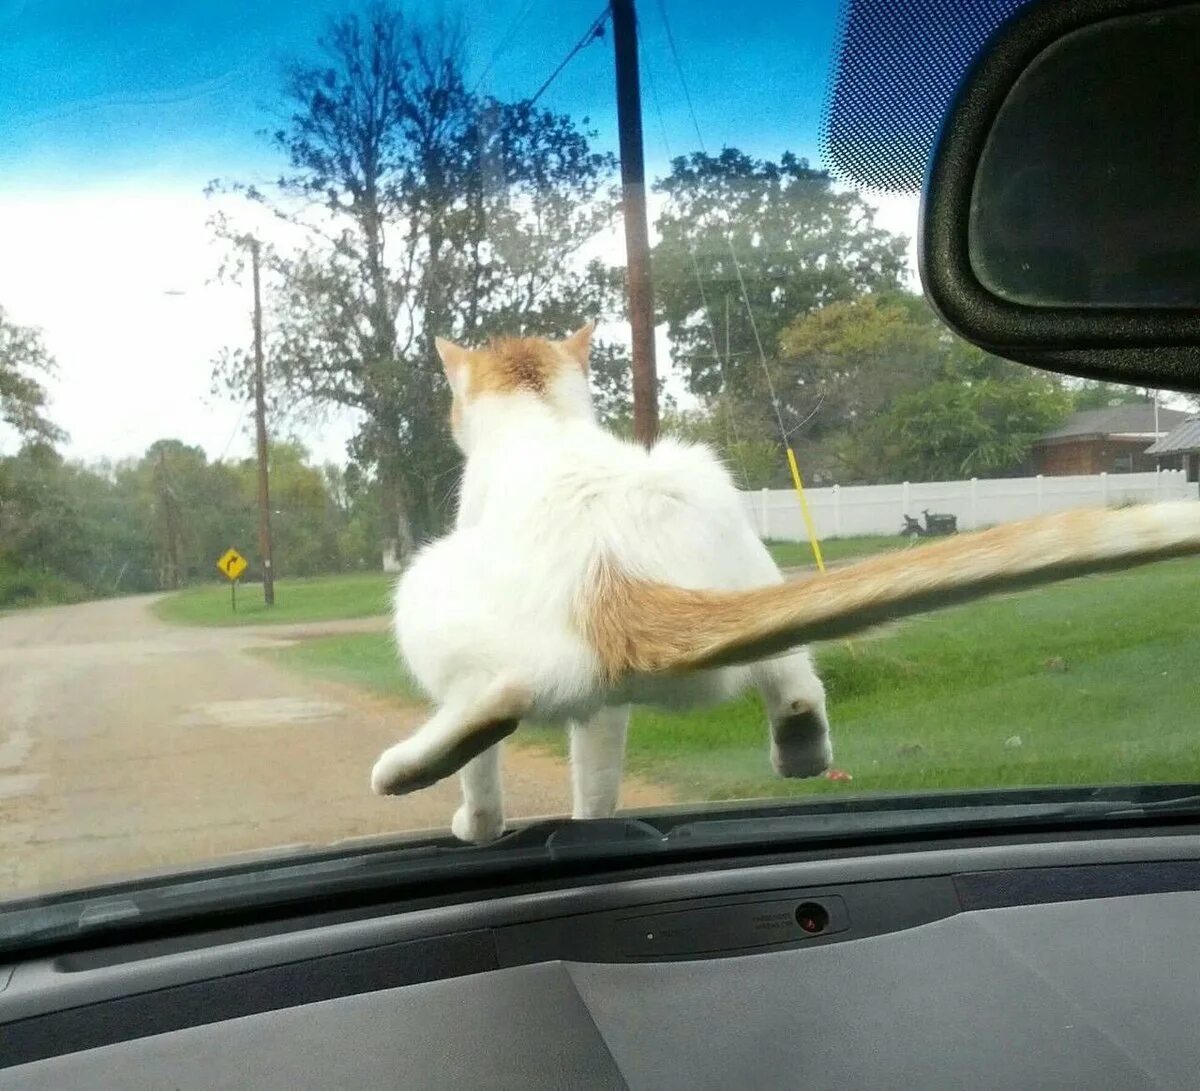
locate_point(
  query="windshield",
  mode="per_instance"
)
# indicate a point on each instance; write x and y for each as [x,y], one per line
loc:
[230,239]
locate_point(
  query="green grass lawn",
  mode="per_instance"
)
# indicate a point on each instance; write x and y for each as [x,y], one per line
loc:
[1096,677]
[800,554]
[367,594]
[321,598]
[362,659]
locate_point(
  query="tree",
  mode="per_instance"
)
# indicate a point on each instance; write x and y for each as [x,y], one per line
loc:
[431,211]
[778,234]
[609,371]
[306,519]
[954,428]
[356,498]
[863,363]
[847,361]
[188,509]
[39,524]
[1094,394]
[68,530]
[24,364]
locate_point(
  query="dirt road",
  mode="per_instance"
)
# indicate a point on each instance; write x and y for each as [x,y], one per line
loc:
[127,744]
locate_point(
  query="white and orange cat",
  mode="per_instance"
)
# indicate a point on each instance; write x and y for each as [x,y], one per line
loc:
[586,574]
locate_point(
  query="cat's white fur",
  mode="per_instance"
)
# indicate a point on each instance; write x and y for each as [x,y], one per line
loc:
[546,491]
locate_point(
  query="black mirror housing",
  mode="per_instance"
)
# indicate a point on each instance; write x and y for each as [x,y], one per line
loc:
[1060,218]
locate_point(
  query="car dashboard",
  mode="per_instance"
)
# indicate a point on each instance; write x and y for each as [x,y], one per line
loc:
[1042,962]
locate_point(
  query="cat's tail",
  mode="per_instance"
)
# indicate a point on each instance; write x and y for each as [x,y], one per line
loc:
[641,627]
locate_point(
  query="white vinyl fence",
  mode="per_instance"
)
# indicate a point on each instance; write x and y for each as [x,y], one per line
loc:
[878,509]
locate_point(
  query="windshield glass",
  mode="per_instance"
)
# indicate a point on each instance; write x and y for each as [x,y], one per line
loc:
[230,238]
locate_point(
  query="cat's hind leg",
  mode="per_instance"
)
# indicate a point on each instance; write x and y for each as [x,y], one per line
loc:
[480,816]
[795,700]
[597,757]
[470,722]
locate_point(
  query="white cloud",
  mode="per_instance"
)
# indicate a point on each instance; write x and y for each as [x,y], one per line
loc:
[93,271]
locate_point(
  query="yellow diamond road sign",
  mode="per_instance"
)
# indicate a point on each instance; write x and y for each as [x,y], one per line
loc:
[233,564]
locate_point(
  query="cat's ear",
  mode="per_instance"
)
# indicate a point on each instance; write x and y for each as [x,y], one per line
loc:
[454,359]
[579,345]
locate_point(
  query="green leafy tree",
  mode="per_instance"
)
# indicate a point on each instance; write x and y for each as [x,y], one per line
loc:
[24,365]
[843,364]
[191,509]
[68,530]
[1094,394]
[431,211]
[75,524]
[356,497]
[863,364]
[775,234]
[40,526]
[954,429]
[306,521]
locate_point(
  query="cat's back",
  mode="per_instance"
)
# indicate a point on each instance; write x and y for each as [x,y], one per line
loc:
[671,513]
[592,473]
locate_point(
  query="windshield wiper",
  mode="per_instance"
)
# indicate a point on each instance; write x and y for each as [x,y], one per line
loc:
[810,826]
[244,892]
[845,824]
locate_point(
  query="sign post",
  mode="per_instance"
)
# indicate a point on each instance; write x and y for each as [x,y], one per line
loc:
[232,564]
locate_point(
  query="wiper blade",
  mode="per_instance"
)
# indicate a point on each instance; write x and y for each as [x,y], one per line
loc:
[629,836]
[398,871]
[602,837]
[842,823]
[1178,805]
[837,824]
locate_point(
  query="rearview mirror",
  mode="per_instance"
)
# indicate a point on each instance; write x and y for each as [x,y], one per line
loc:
[1061,215]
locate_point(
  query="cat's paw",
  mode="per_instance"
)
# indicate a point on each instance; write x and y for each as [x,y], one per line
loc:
[800,744]
[400,770]
[476,825]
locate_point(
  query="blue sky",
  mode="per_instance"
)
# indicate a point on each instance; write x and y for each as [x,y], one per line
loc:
[115,114]
[178,90]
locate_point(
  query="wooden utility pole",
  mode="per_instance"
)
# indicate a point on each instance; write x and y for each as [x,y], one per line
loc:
[171,577]
[265,550]
[637,232]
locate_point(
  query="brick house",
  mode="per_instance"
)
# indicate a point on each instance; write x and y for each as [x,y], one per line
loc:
[1112,440]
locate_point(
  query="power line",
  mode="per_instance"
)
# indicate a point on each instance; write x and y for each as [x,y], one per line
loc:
[596,30]
[784,434]
[687,94]
[511,33]
[722,362]
[737,265]
[237,427]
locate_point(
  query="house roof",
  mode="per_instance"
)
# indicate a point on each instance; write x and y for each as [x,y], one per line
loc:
[1117,420]
[1185,437]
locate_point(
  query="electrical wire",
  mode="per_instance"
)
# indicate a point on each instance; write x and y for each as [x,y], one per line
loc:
[596,30]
